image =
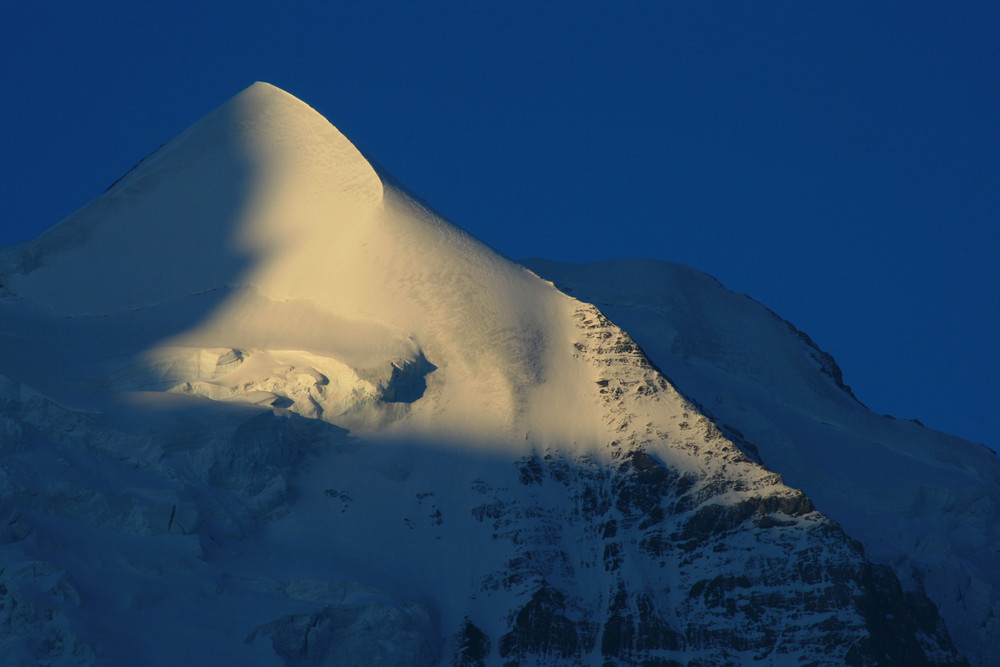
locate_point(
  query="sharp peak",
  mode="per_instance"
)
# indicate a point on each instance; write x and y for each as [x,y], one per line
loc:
[265,86]
[264,91]
[262,99]
[236,186]
[264,123]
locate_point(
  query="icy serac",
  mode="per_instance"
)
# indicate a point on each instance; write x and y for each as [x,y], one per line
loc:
[260,406]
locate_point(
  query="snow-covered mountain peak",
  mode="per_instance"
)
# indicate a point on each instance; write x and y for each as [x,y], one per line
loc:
[236,199]
[282,246]
[268,137]
[259,404]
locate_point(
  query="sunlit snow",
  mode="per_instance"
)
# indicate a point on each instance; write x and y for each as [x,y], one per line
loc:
[259,405]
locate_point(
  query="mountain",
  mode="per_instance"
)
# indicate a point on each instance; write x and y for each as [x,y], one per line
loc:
[919,500]
[259,405]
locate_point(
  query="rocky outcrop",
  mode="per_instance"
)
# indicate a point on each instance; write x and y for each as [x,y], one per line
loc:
[670,547]
[645,562]
[922,502]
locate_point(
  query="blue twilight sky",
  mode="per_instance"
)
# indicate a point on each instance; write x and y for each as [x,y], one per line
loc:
[839,162]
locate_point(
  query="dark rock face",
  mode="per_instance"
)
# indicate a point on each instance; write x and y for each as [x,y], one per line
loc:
[473,646]
[814,595]
[543,626]
[635,627]
[673,548]
[901,624]
[648,563]
[785,403]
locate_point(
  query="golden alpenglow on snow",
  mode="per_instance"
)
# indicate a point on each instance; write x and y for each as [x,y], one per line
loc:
[259,406]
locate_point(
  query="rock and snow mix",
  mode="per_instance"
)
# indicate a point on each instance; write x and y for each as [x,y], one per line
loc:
[259,406]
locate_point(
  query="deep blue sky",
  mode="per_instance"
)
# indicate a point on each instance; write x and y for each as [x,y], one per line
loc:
[839,162]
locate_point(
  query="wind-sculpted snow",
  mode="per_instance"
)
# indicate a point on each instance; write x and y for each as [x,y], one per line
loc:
[315,423]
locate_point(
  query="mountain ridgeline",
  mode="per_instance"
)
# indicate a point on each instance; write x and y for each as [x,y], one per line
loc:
[259,405]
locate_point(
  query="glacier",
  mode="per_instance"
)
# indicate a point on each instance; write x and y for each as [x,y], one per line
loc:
[261,405]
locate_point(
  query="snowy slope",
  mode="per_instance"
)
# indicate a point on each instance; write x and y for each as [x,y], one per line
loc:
[259,405]
[924,502]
